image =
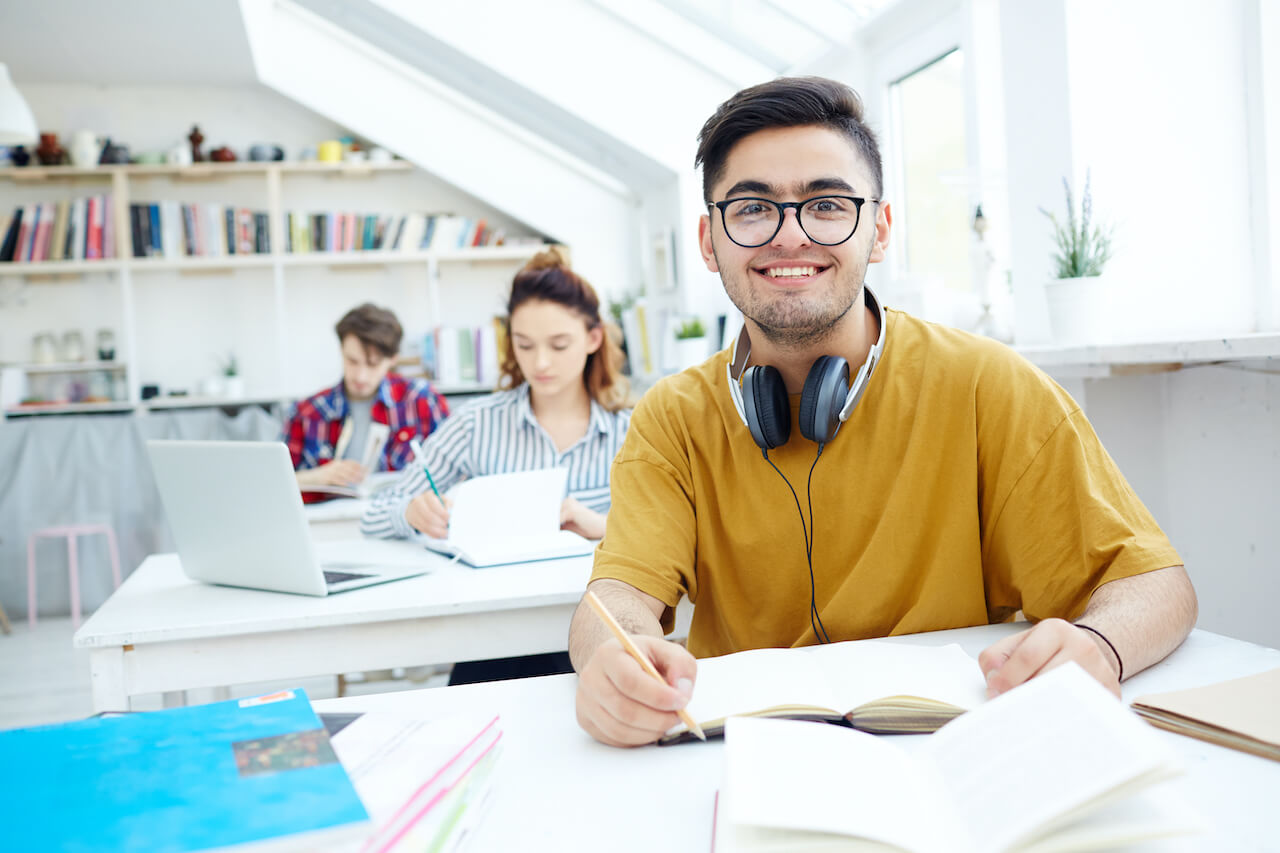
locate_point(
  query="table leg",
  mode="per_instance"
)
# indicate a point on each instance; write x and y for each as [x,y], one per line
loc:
[106,674]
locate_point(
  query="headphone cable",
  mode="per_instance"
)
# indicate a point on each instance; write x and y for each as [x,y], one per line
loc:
[808,546]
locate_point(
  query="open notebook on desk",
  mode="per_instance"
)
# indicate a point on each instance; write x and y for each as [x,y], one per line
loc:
[510,518]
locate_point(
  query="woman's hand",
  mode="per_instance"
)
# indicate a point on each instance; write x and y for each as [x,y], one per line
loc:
[428,515]
[582,521]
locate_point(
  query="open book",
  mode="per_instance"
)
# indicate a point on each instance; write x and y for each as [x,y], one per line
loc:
[1056,764]
[875,686]
[370,485]
[510,518]
[1240,713]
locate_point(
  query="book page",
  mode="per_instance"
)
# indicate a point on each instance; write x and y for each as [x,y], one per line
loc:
[1043,751]
[864,670]
[820,780]
[526,503]
[755,680]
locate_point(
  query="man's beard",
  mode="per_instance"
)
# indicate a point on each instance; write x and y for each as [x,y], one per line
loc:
[794,320]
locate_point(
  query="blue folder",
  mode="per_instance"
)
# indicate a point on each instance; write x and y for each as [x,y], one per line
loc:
[180,779]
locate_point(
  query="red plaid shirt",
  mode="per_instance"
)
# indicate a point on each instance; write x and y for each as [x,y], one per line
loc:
[409,407]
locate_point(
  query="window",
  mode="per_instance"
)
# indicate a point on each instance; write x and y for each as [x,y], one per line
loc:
[929,113]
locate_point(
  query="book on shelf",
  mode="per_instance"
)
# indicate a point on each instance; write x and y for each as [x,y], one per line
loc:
[1055,764]
[225,773]
[872,685]
[528,504]
[1239,713]
[425,781]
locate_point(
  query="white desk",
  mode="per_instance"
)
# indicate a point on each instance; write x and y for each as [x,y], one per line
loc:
[557,789]
[161,632]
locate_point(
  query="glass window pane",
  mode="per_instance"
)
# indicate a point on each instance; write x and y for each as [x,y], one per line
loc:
[935,199]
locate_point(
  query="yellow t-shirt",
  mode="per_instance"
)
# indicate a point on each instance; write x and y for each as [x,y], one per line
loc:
[965,486]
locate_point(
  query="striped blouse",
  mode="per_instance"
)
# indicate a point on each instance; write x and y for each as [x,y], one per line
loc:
[498,434]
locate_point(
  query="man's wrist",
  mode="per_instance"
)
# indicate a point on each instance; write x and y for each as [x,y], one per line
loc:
[1107,646]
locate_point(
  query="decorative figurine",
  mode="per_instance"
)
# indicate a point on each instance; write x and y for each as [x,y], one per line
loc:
[222,154]
[49,152]
[19,155]
[196,137]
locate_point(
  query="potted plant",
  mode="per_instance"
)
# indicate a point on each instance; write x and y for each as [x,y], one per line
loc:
[1078,305]
[233,382]
[691,343]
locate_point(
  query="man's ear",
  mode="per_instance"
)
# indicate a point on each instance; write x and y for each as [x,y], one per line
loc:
[704,243]
[884,222]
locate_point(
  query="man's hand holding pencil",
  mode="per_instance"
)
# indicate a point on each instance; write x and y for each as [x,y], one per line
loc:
[635,686]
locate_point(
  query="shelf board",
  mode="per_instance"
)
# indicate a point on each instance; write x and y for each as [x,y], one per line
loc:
[71,367]
[39,268]
[208,169]
[1155,356]
[196,402]
[69,408]
[201,264]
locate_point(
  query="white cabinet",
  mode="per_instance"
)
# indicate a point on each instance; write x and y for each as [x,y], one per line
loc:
[175,318]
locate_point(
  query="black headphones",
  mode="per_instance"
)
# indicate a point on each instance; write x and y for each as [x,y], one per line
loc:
[760,395]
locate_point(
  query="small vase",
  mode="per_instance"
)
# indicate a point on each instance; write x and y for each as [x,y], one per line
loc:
[690,352]
[49,152]
[86,148]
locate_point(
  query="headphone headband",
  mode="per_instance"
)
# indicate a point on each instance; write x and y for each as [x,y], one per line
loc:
[742,353]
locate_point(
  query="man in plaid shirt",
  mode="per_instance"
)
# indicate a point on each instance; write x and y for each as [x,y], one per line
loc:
[327,433]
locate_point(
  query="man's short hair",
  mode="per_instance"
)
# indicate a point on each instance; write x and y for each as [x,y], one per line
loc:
[785,102]
[377,328]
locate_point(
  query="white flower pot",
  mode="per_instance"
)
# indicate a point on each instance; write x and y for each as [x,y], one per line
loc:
[233,387]
[690,352]
[1080,310]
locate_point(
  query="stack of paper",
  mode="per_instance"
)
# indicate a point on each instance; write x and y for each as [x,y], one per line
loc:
[425,782]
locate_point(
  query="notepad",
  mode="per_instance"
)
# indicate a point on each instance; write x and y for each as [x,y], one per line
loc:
[1240,713]
[190,778]
[510,518]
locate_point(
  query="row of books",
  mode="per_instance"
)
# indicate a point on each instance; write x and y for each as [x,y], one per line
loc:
[80,229]
[249,770]
[355,232]
[464,355]
[169,229]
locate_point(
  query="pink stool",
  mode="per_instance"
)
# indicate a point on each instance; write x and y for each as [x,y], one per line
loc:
[71,531]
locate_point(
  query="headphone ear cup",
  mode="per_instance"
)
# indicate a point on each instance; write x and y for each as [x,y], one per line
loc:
[766,405]
[825,389]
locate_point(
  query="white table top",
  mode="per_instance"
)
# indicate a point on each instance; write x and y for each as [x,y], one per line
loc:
[158,603]
[557,789]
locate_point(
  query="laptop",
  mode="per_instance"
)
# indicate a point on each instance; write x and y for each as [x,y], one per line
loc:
[237,519]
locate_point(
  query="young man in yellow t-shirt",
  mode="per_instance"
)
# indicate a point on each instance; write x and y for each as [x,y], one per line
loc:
[962,487]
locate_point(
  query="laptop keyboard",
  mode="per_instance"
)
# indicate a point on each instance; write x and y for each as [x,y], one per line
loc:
[339,577]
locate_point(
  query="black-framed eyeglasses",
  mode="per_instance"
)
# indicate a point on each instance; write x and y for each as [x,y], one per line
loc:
[828,220]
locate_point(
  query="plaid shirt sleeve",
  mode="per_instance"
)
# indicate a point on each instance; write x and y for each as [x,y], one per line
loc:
[419,409]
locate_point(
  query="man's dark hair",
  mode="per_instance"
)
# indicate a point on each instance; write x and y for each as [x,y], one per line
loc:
[785,102]
[376,328]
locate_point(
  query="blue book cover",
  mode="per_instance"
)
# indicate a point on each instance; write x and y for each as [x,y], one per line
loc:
[174,780]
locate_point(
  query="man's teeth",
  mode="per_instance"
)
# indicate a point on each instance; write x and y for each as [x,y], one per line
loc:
[781,272]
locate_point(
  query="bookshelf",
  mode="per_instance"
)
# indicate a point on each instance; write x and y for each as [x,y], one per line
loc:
[274,283]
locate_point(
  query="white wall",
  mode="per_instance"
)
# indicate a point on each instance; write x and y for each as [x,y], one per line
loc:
[1201,447]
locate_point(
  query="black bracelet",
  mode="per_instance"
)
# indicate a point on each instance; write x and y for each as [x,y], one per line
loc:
[1119,662]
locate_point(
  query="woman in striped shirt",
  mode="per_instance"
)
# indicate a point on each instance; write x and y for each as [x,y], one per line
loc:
[565,405]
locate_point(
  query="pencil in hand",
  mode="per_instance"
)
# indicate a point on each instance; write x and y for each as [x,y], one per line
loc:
[641,657]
